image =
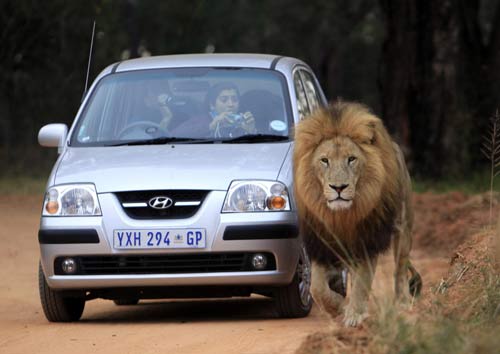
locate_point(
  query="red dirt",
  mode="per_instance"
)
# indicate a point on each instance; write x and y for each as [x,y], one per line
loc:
[444,221]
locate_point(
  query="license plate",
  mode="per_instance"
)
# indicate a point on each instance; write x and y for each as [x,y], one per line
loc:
[154,239]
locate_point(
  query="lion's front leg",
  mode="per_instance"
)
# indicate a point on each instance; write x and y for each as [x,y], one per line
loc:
[327,300]
[357,308]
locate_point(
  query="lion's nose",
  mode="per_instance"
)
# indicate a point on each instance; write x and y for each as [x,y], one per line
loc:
[339,188]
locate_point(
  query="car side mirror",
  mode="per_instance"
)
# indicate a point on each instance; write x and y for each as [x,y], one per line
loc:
[53,135]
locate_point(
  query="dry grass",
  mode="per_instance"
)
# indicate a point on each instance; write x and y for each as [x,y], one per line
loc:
[461,315]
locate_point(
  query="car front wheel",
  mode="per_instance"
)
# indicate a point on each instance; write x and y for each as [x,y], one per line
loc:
[294,300]
[58,306]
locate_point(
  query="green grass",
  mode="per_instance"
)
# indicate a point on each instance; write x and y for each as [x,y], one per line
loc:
[478,182]
[17,185]
[396,334]
[433,335]
[392,332]
[488,291]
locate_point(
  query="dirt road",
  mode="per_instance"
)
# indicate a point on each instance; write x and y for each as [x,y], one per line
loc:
[214,326]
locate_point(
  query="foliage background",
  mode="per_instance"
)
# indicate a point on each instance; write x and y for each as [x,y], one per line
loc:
[429,68]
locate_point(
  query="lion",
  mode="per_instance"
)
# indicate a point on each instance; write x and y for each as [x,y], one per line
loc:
[352,190]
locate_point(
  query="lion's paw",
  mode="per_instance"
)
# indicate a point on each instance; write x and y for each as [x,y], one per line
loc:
[404,300]
[404,303]
[353,318]
[332,309]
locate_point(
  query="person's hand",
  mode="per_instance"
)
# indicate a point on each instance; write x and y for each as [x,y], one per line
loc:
[224,118]
[249,123]
[164,99]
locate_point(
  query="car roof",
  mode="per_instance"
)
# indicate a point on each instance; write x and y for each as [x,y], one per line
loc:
[239,60]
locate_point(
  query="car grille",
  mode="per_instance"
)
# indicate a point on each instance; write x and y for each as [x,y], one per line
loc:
[164,264]
[185,203]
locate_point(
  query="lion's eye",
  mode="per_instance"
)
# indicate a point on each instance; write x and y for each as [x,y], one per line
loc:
[351,159]
[324,160]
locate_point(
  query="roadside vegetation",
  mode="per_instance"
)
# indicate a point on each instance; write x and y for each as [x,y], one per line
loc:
[476,182]
[17,185]
[460,315]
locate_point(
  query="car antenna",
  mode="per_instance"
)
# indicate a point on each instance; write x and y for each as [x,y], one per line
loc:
[90,58]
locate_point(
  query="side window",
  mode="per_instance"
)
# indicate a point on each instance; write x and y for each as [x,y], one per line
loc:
[311,89]
[300,94]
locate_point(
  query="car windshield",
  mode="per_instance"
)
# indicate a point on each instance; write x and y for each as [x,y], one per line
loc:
[186,105]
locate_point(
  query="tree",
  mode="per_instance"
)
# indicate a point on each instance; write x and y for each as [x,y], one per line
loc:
[433,74]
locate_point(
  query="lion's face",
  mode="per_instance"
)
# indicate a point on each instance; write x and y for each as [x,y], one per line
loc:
[338,164]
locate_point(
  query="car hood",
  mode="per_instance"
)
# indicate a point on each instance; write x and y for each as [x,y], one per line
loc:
[188,166]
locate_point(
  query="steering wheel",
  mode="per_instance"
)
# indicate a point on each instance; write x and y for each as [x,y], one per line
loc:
[142,123]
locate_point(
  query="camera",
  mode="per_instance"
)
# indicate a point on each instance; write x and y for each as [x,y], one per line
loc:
[235,117]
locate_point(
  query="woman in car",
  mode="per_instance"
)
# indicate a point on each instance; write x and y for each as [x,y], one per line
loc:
[227,121]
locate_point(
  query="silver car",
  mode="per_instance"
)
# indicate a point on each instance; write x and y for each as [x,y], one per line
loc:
[175,181]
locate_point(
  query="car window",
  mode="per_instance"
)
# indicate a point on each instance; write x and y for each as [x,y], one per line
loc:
[183,103]
[300,95]
[311,90]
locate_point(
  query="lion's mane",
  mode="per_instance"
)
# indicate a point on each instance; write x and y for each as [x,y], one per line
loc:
[365,228]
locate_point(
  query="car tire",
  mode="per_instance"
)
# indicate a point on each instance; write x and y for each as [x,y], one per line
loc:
[294,300]
[57,305]
[126,302]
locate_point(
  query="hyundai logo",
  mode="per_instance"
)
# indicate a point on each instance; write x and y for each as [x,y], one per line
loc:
[160,202]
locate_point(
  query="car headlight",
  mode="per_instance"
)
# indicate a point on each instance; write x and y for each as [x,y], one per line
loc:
[71,200]
[246,196]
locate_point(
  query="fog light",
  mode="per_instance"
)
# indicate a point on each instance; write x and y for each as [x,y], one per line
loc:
[276,202]
[52,207]
[69,266]
[259,261]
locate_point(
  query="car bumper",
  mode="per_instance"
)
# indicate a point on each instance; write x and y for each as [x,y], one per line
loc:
[285,250]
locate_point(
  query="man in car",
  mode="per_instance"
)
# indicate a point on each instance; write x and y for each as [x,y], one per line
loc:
[157,109]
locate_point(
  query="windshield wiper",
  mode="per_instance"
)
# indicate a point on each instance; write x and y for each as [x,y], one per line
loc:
[255,138]
[165,140]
